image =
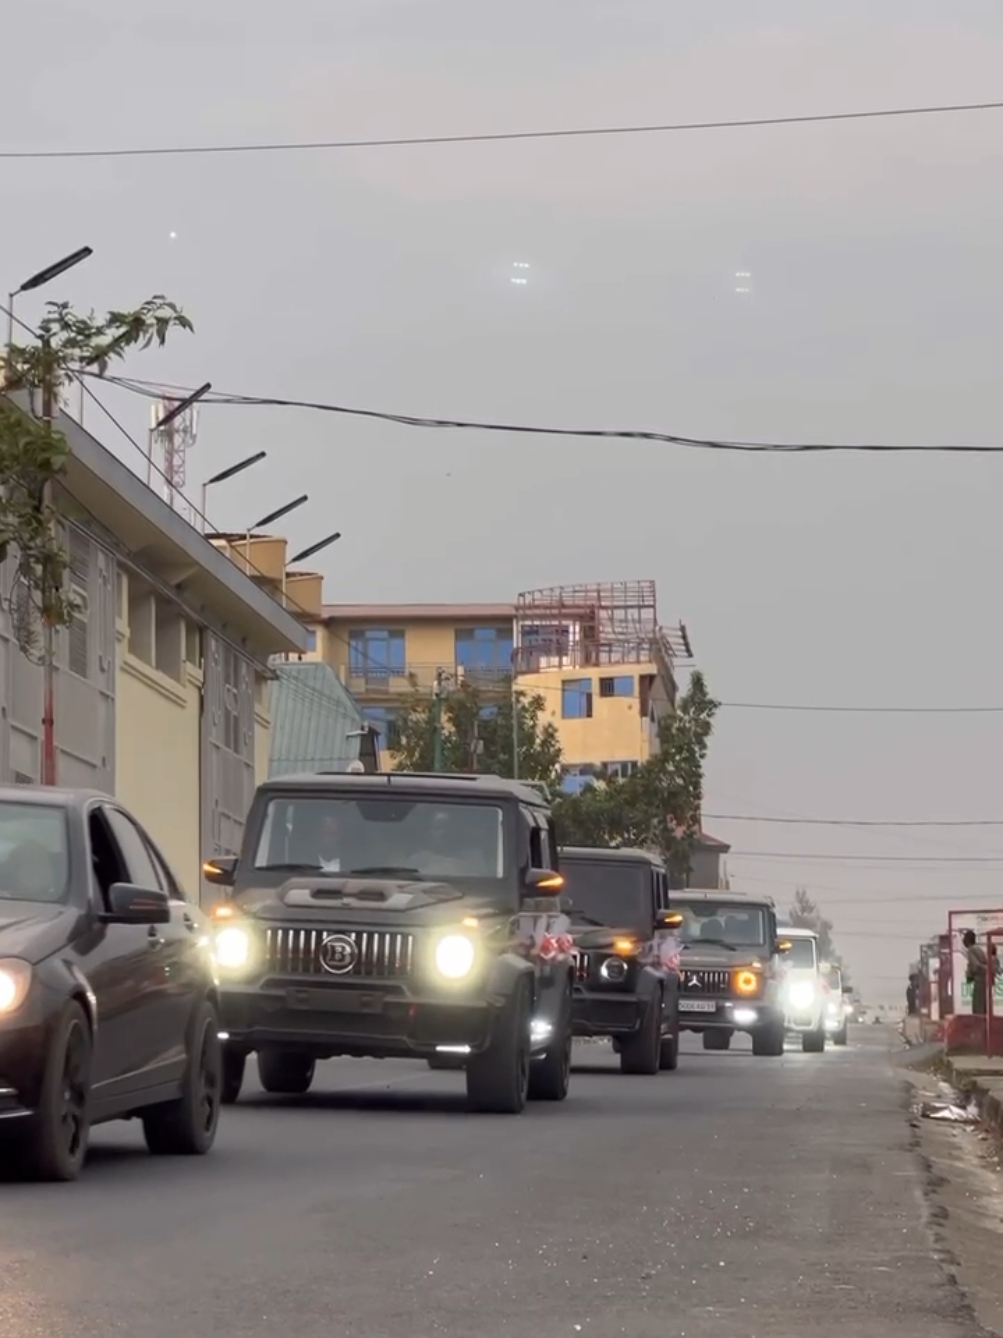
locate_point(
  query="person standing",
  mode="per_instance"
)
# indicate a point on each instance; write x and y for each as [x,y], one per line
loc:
[976,970]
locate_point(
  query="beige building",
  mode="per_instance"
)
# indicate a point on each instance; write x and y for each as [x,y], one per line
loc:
[161,683]
[596,653]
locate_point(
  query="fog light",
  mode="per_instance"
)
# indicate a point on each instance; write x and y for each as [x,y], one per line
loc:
[613,969]
[744,1017]
[540,1031]
[452,1049]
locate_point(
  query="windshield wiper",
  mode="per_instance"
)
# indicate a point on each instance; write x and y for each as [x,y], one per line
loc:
[582,918]
[717,942]
[385,871]
[298,867]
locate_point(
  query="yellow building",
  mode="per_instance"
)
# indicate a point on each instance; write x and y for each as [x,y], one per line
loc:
[161,682]
[597,654]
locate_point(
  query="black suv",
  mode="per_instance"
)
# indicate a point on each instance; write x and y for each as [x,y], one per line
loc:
[107,990]
[626,981]
[397,915]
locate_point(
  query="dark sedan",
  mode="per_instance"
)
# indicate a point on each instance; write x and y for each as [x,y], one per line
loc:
[108,1004]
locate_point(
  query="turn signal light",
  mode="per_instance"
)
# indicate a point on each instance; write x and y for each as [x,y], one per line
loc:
[223,911]
[746,982]
[625,945]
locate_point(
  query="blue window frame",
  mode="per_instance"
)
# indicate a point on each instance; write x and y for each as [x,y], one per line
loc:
[487,712]
[617,685]
[574,782]
[576,698]
[376,652]
[487,648]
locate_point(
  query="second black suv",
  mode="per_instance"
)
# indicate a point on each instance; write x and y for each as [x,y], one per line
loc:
[626,981]
[397,915]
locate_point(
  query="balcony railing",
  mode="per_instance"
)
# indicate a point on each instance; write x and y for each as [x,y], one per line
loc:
[374,681]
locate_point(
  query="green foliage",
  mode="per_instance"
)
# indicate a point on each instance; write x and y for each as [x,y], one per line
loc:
[658,807]
[805,914]
[33,454]
[477,735]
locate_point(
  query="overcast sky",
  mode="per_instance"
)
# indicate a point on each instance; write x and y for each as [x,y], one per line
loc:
[381,278]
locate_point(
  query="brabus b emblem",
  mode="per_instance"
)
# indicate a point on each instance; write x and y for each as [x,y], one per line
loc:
[338,954]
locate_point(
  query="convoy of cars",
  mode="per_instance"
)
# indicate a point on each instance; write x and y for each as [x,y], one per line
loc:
[419,916]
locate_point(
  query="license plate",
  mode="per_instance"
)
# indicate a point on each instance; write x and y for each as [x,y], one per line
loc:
[697,1006]
[334,1001]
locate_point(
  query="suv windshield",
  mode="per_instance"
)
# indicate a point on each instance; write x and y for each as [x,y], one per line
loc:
[802,954]
[34,853]
[729,922]
[616,893]
[385,836]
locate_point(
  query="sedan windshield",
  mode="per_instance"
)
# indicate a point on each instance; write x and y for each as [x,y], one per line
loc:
[726,922]
[34,853]
[615,893]
[385,837]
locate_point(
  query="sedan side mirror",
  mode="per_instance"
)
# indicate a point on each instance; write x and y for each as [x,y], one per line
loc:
[131,905]
[222,870]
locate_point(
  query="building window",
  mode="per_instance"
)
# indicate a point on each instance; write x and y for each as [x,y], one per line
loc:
[620,685]
[386,721]
[540,644]
[576,698]
[376,653]
[311,638]
[574,781]
[484,648]
[487,712]
[619,770]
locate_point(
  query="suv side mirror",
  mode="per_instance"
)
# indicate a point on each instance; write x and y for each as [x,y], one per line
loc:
[782,945]
[132,905]
[221,870]
[848,992]
[668,919]
[543,883]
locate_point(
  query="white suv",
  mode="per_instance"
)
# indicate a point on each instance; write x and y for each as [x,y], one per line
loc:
[803,990]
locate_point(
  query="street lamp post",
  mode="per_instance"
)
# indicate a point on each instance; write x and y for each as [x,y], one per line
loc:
[267,520]
[222,476]
[41,277]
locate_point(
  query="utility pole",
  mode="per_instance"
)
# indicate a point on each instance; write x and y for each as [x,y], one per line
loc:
[49,632]
[437,703]
[515,731]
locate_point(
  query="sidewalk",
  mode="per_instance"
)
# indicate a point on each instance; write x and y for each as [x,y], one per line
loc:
[983,1079]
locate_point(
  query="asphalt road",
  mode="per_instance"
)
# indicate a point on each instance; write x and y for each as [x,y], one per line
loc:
[757,1197]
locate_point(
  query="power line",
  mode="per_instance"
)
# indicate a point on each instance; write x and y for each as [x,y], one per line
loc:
[151,390]
[858,822]
[865,710]
[867,859]
[413,141]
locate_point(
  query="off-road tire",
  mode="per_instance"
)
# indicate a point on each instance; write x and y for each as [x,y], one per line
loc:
[813,1042]
[640,1054]
[234,1063]
[668,1055]
[498,1077]
[717,1040]
[840,1037]
[768,1041]
[550,1076]
[285,1073]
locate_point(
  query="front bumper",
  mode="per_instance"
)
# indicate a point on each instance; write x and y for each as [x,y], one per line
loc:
[746,1015]
[375,1020]
[606,1013]
[24,1049]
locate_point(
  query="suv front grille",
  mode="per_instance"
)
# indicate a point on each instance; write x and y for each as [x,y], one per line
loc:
[379,954]
[582,963]
[699,981]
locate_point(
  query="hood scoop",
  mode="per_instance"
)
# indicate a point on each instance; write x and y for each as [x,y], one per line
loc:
[361,894]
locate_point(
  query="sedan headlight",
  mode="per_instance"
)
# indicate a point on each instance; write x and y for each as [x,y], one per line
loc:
[15,981]
[232,948]
[801,994]
[455,956]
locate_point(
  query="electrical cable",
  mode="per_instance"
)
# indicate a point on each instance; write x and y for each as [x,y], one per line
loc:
[411,141]
[858,822]
[151,390]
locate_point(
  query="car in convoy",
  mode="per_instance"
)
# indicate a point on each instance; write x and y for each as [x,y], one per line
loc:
[626,954]
[730,969]
[804,990]
[108,1003]
[397,916]
[837,1004]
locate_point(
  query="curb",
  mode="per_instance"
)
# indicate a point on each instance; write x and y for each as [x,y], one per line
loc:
[989,1102]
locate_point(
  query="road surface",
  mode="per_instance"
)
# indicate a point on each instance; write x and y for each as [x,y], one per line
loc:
[767,1198]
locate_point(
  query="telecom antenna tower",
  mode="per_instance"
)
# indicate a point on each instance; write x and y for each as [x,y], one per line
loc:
[169,447]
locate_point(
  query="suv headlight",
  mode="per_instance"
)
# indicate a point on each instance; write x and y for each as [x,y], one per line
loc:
[232,948]
[15,981]
[455,955]
[801,994]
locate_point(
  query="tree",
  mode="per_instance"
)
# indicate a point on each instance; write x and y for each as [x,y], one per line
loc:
[658,807]
[477,735]
[805,914]
[33,454]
